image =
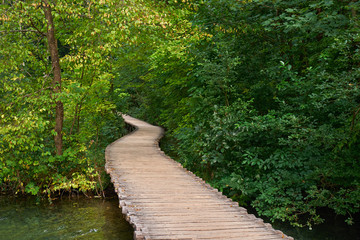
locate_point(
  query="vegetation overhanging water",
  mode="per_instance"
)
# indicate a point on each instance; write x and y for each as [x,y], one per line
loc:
[75,218]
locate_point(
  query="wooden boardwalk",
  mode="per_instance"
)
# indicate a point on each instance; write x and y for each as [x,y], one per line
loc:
[162,200]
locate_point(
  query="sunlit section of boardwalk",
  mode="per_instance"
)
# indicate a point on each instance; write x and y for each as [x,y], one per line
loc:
[162,200]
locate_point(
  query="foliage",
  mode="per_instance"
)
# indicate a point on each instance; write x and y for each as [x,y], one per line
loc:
[262,100]
[260,97]
[27,160]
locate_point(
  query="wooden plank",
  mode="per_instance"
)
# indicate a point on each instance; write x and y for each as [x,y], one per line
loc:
[162,200]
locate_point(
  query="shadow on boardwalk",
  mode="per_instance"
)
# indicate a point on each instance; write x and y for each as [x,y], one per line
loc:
[162,200]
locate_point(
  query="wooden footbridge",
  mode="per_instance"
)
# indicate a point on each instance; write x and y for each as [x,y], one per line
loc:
[162,200]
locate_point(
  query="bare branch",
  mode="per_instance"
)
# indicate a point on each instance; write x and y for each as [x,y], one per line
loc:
[35,94]
[21,30]
[34,26]
[355,113]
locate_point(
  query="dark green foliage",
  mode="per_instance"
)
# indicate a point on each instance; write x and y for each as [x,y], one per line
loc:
[265,103]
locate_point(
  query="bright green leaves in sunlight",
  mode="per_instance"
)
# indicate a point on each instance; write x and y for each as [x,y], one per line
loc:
[104,49]
[88,38]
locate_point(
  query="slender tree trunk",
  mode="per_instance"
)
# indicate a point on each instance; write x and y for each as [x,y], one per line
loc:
[55,61]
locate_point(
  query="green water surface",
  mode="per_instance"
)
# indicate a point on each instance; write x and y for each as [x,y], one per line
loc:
[83,218]
[76,218]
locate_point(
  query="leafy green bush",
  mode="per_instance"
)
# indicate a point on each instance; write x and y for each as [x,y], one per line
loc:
[265,104]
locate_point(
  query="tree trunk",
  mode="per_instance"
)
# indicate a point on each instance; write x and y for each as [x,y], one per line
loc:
[55,61]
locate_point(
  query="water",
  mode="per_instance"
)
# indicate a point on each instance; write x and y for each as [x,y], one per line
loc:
[83,218]
[334,228]
[78,218]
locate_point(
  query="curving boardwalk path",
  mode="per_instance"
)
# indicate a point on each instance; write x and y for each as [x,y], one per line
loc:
[162,200]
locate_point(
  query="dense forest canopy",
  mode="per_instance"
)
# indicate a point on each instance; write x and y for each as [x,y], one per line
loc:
[261,98]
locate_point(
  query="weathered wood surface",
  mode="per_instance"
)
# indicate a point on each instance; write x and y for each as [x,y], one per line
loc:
[162,200]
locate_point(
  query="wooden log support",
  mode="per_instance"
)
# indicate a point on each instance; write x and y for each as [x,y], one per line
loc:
[162,200]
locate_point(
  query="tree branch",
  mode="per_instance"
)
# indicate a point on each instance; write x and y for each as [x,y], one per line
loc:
[21,30]
[34,26]
[31,94]
[355,113]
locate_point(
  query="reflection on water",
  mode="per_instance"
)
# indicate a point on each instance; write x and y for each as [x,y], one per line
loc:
[97,219]
[66,219]
[334,228]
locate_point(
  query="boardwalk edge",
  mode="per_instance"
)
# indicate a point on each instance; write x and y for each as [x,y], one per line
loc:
[129,211]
